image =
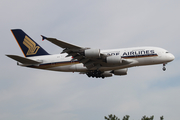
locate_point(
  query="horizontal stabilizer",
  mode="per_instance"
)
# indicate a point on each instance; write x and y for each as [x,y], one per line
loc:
[23,60]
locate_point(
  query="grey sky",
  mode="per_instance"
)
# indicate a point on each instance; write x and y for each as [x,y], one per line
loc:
[28,94]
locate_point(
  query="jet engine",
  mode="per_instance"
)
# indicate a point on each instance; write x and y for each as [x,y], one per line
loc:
[115,59]
[106,74]
[92,53]
[120,71]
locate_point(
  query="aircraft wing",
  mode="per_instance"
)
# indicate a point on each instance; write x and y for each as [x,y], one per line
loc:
[91,58]
[23,60]
[61,43]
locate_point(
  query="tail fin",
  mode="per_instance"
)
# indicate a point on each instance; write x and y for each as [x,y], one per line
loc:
[28,46]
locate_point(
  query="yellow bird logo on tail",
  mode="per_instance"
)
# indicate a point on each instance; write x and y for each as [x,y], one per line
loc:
[32,48]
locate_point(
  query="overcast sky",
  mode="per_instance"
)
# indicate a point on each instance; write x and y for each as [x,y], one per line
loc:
[30,94]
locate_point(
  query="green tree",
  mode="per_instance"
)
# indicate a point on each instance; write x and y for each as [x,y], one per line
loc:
[146,118]
[111,117]
[126,117]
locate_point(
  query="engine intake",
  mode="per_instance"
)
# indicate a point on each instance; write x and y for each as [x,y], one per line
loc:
[92,53]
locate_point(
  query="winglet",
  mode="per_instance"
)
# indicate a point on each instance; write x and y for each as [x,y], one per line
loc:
[43,37]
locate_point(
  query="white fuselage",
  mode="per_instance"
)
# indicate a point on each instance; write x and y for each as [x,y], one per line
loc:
[137,56]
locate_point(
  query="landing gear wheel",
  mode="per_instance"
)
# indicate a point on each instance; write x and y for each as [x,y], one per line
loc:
[164,68]
[95,73]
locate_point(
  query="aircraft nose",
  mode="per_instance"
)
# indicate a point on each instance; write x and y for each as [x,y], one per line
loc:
[171,57]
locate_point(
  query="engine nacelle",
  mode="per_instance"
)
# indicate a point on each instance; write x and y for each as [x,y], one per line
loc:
[106,74]
[115,59]
[120,71]
[92,53]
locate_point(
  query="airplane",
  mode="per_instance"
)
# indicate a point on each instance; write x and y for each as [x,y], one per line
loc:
[94,63]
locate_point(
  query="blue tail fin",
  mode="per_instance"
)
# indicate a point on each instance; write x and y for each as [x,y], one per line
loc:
[28,46]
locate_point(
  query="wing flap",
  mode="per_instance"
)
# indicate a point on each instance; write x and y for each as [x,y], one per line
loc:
[23,60]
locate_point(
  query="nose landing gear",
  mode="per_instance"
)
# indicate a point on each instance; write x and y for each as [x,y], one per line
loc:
[164,68]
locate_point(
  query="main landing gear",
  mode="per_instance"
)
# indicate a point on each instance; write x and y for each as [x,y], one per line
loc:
[164,68]
[96,73]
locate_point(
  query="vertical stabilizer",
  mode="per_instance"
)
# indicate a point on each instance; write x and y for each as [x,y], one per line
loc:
[28,46]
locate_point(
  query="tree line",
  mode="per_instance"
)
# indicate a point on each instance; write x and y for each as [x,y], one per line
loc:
[126,117]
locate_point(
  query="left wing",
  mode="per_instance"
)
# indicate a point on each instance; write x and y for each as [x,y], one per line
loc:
[61,43]
[91,58]
[23,60]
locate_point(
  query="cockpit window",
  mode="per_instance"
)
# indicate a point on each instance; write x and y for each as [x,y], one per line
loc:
[167,52]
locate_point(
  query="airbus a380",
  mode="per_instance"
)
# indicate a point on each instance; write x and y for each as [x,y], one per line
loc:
[92,62]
